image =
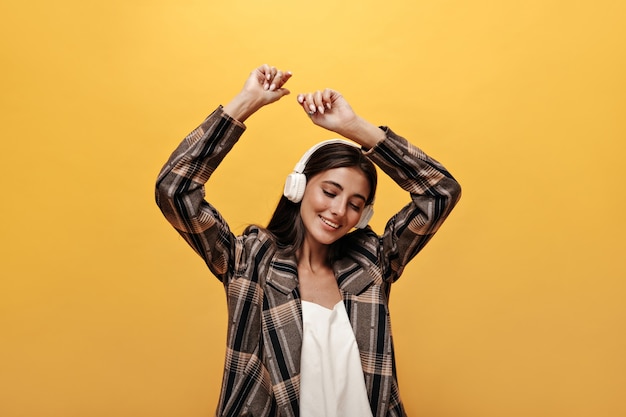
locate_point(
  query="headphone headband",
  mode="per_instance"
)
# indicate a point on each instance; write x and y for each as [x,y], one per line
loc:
[301,165]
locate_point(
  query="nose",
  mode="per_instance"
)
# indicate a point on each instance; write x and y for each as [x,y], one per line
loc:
[338,207]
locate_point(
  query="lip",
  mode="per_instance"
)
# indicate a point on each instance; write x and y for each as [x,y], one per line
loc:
[333,225]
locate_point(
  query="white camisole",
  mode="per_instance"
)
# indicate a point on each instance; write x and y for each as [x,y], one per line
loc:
[331,376]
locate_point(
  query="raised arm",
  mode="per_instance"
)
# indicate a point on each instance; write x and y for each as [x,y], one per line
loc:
[180,184]
[433,190]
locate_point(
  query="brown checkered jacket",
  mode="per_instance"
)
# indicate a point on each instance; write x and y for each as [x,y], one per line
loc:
[262,367]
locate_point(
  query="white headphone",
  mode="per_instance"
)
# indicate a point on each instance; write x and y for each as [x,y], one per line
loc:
[296,181]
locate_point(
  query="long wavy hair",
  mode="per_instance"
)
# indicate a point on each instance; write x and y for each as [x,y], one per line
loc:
[286,225]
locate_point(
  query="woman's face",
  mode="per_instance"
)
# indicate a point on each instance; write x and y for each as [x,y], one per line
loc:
[332,203]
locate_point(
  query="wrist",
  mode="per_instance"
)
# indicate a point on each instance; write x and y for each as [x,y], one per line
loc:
[363,132]
[242,106]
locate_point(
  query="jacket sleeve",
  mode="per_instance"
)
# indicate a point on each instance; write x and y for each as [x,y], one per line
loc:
[180,190]
[434,193]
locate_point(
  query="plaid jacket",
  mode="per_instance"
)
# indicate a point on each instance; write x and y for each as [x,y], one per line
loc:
[261,375]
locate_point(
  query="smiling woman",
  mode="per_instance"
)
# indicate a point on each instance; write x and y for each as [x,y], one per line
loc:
[317,269]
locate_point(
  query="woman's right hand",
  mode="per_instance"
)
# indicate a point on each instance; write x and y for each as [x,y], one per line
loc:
[264,85]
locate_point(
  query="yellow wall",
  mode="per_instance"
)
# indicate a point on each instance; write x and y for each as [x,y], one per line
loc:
[515,309]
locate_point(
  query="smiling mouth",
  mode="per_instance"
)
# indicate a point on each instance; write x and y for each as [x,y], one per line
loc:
[329,223]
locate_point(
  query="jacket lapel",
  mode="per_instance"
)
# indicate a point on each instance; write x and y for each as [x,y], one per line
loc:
[352,277]
[363,290]
[282,331]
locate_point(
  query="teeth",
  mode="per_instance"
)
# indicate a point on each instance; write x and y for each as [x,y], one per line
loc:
[331,224]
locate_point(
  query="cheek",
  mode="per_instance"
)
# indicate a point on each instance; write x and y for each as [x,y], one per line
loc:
[355,217]
[315,201]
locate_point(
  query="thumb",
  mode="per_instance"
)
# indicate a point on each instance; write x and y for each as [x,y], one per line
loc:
[278,94]
[283,91]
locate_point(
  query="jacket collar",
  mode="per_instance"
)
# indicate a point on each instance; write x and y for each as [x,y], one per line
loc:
[351,276]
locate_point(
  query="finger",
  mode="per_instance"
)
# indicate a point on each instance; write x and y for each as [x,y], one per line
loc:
[262,73]
[318,101]
[327,98]
[286,77]
[310,103]
[270,73]
[304,100]
[265,70]
[279,80]
[273,72]
[275,80]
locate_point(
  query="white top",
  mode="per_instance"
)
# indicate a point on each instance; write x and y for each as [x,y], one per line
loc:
[331,376]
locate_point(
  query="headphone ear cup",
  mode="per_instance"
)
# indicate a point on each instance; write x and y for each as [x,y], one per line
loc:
[294,187]
[366,216]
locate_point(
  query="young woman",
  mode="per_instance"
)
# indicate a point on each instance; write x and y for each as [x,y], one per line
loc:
[309,331]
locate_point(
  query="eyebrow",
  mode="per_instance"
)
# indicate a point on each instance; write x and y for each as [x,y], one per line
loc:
[341,188]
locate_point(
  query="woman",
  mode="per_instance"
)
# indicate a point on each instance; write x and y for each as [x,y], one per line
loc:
[309,330]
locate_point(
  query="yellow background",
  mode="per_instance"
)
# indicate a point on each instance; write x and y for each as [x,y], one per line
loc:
[515,309]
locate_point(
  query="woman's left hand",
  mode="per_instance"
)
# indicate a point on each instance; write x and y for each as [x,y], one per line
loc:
[328,109]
